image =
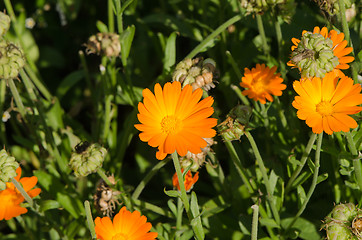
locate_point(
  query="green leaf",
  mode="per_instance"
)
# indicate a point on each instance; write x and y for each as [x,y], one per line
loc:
[303,228]
[172,193]
[322,178]
[268,222]
[301,194]
[48,204]
[68,82]
[102,27]
[170,52]
[126,39]
[273,181]
[196,222]
[172,207]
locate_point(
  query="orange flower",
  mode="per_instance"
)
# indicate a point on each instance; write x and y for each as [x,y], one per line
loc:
[262,83]
[339,47]
[326,103]
[126,225]
[11,198]
[189,180]
[174,120]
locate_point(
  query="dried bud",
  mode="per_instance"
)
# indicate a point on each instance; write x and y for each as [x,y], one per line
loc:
[8,167]
[236,121]
[344,222]
[11,60]
[106,44]
[4,23]
[196,160]
[197,72]
[283,8]
[87,159]
[314,55]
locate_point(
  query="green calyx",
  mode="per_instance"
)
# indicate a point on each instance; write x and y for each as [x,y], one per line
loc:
[314,55]
[87,161]
[8,167]
[4,23]
[11,60]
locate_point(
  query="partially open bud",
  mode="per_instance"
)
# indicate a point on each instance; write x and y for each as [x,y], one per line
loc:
[344,222]
[197,72]
[314,55]
[189,180]
[87,158]
[11,60]
[4,23]
[106,44]
[8,167]
[236,121]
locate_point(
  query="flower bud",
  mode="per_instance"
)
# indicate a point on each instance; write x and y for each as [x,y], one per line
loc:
[87,159]
[8,167]
[4,23]
[236,121]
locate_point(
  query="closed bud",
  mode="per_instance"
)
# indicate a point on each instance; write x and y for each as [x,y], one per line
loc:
[236,121]
[11,60]
[4,23]
[8,167]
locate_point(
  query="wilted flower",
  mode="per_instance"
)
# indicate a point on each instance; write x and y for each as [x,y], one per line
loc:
[188,182]
[106,44]
[236,121]
[198,159]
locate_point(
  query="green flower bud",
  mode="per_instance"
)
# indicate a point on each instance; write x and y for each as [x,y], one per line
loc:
[8,167]
[314,55]
[4,23]
[87,159]
[11,60]
[236,121]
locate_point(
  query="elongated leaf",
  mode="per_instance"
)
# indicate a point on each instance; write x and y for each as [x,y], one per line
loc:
[170,52]
[126,42]
[196,222]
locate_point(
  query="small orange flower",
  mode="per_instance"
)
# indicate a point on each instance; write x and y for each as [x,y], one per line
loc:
[339,47]
[173,119]
[189,180]
[126,225]
[262,83]
[325,104]
[11,198]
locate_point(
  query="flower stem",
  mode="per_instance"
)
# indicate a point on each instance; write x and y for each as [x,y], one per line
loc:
[90,222]
[101,173]
[209,38]
[23,192]
[278,32]
[259,22]
[184,198]
[356,161]
[179,218]
[263,170]
[303,160]
[137,192]
[110,17]
[254,226]
[15,93]
[314,181]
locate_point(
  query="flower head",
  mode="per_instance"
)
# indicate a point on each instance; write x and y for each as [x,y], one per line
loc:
[11,198]
[262,82]
[189,180]
[126,225]
[8,167]
[326,103]
[173,119]
[313,56]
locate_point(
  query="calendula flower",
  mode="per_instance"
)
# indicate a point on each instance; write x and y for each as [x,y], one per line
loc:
[189,180]
[11,198]
[326,103]
[173,119]
[262,82]
[126,225]
[313,56]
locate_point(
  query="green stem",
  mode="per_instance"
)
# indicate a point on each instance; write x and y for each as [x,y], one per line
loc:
[153,208]
[119,16]
[15,93]
[259,22]
[254,226]
[240,95]
[239,168]
[263,171]
[184,198]
[179,218]
[147,178]
[314,181]
[110,16]
[101,173]
[2,103]
[38,83]
[23,192]
[279,35]
[209,38]
[303,160]
[356,161]
[90,222]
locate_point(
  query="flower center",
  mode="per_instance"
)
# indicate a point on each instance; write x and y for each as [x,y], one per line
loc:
[258,85]
[120,236]
[324,108]
[171,125]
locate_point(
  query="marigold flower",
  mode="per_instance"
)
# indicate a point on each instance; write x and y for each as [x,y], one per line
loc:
[339,47]
[11,198]
[326,103]
[262,82]
[126,225]
[189,180]
[174,120]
